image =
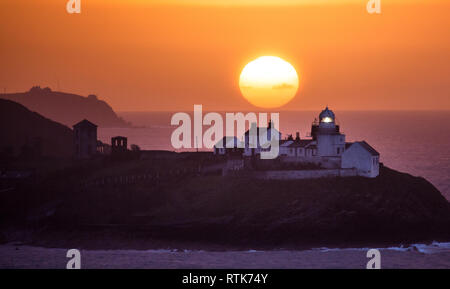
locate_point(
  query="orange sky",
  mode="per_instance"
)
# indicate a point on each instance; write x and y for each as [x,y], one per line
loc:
[138,55]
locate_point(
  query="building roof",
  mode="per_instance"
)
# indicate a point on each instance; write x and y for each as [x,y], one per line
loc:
[228,142]
[365,146]
[270,131]
[326,113]
[269,127]
[85,123]
[286,142]
[260,128]
[368,148]
[301,143]
[119,137]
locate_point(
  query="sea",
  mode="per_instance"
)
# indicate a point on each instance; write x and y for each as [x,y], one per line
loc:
[417,143]
[415,256]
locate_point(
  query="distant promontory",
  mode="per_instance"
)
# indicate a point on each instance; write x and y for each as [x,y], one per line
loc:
[67,108]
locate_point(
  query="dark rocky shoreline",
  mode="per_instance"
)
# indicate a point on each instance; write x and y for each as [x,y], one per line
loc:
[235,213]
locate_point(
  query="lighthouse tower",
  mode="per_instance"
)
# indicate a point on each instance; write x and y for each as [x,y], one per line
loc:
[330,142]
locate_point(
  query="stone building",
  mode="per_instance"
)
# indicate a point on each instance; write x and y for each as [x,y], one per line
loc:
[85,139]
[119,145]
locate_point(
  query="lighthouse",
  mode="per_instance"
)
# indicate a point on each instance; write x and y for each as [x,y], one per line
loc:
[330,141]
[326,149]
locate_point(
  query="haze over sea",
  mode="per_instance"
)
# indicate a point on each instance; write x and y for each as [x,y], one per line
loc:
[413,142]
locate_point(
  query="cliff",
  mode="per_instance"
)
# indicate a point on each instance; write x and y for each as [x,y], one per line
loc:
[67,108]
[393,208]
[20,127]
[233,212]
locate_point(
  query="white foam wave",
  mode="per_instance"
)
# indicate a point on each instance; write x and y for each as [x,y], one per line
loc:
[434,247]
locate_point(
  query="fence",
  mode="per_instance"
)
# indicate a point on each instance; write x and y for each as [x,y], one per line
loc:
[305,174]
[138,178]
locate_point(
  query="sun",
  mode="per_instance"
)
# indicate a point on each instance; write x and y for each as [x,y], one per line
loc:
[268,82]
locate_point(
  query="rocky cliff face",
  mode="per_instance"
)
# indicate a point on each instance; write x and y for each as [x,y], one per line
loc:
[67,108]
[241,212]
[394,207]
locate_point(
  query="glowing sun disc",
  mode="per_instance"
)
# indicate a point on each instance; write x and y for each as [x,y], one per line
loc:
[268,82]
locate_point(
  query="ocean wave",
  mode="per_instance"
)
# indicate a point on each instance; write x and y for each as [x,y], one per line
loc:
[434,247]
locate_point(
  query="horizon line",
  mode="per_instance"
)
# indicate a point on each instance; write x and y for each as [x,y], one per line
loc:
[293,110]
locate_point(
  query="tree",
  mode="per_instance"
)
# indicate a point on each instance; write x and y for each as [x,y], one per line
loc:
[135,148]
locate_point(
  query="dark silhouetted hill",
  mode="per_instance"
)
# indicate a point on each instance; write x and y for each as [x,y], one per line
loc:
[67,108]
[202,212]
[20,126]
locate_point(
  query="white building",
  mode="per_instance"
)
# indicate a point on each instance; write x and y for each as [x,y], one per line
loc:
[363,157]
[228,144]
[330,141]
[298,149]
[326,147]
[254,140]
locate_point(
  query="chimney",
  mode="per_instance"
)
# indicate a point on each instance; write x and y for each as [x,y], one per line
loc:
[297,136]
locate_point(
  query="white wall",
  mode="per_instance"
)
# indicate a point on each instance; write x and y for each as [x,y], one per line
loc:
[305,174]
[256,141]
[327,144]
[357,157]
